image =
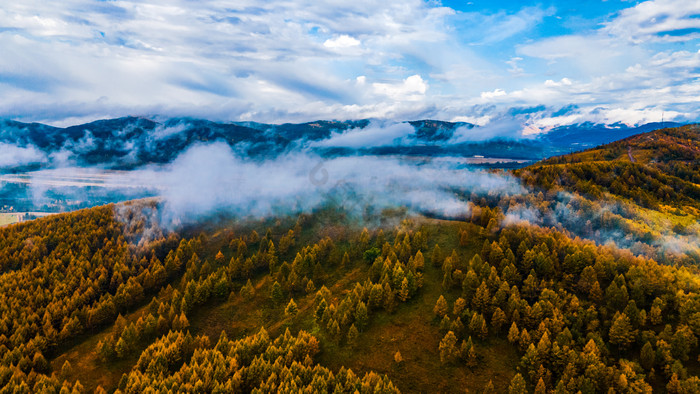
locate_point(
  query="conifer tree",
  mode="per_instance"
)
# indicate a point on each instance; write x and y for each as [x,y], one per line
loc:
[276,293]
[397,358]
[310,287]
[78,388]
[616,296]
[524,341]
[353,334]
[459,306]
[183,323]
[469,284]
[389,298]
[404,291]
[447,347]
[517,385]
[291,310]
[596,293]
[683,340]
[621,332]
[361,316]
[254,237]
[440,308]
[477,325]
[471,353]
[463,238]
[219,258]
[498,320]
[674,385]
[247,291]
[335,329]
[39,363]
[482,298]
[436,256]
[513,334]
[655,315]
[647,357]
[445,324]
[483,330]
[541,388]
[121,348]
[376,296]
[419,261]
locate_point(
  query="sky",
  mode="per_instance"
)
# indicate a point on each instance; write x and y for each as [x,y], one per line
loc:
[557,62]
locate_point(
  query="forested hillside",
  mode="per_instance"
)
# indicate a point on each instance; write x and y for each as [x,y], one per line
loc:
[519,296]
[652,169]
[640,193]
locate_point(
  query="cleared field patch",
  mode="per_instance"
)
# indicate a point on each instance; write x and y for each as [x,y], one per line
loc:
[8,218]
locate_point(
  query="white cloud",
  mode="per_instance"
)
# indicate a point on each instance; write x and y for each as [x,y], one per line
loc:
[342,41]
[658,20]
[563,82]
[411,89]
[493,94]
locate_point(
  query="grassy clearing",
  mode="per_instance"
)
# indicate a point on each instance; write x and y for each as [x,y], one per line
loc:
[86,365]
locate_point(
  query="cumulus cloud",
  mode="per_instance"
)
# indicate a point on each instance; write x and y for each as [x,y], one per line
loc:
[342,41]
[412,88]
[494,94]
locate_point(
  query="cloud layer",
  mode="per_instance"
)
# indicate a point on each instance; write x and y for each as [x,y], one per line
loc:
[283,60]
[211,178]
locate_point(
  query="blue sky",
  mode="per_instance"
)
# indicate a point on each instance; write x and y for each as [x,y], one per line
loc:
[279,61]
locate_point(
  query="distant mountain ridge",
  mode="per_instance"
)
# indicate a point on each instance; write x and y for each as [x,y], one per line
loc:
[131,142]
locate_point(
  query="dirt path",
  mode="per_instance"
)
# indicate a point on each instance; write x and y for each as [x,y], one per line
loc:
[629,153]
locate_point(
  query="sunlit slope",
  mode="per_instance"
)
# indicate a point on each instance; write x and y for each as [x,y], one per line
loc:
[642,192]
[658,168]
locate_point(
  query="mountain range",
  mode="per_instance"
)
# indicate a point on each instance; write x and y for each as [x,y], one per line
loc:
[131,142]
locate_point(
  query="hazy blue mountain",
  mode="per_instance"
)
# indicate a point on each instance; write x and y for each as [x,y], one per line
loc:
[132,142]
